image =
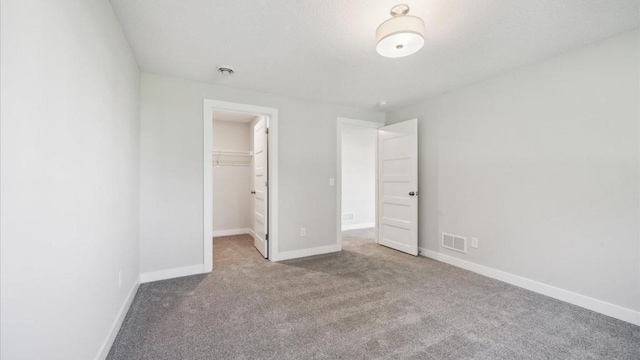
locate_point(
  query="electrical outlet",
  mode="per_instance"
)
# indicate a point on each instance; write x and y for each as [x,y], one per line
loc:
[303,231]
[474,243]
[332,182]
[120,278]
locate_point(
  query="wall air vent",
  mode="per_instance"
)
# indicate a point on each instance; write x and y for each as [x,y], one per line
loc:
[454,242]
[347,217]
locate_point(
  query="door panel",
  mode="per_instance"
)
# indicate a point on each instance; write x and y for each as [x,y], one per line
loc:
[260,199]
[397,179]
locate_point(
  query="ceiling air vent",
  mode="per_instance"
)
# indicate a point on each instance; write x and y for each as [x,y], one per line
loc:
[226,70]
[454,242]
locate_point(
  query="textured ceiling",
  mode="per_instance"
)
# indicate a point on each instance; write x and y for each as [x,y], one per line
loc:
[325,50]
[233,116]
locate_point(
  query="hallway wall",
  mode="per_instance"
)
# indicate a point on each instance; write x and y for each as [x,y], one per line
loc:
[359,148]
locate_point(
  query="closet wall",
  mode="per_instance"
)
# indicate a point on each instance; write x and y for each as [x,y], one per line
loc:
[231,184]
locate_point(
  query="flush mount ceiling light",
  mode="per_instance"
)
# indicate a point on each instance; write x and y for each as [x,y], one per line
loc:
[225,71]
[400,36]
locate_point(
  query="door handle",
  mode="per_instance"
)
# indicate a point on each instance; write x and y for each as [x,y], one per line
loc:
[253,192]
[413,193]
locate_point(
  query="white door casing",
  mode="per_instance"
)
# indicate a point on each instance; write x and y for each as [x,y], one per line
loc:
[398,186]
[207,175]
[260,186]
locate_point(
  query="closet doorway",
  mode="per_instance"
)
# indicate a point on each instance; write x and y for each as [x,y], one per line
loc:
[241,166]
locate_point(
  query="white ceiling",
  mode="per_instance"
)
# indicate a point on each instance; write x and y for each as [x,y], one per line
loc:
[233,116]
[325,50]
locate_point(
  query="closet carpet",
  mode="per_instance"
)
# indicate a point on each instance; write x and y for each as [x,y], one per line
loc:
[367,302]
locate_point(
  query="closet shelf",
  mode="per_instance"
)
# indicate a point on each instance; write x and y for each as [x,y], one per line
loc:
[232,152]
[231,157]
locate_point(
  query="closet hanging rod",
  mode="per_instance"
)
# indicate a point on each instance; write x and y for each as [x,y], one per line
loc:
[232,152]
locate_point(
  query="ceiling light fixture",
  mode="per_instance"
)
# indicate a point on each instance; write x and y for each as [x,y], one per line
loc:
[400,36]
[226,71]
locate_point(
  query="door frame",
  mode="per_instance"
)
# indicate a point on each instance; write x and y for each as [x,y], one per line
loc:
[341,122]
[207,165]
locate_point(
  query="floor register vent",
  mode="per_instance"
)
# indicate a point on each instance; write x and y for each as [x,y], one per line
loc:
[454,242]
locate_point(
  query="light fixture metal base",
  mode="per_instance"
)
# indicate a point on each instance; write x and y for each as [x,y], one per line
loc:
[399,10]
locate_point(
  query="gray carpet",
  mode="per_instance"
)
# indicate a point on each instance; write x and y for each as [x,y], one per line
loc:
[367,302]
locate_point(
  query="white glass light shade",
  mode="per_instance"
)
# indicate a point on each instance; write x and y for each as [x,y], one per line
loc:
[400,36]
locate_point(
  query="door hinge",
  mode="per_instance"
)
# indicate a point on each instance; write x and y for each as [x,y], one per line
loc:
[266,130]
[266,236]
[266,183]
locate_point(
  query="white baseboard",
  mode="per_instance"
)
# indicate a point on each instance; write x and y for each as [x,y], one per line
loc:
[586,302]
[172,273]
[231,232]
[295,254]
[346,227]
[117,323]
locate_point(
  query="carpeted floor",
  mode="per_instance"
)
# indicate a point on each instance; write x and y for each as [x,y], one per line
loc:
[367,302]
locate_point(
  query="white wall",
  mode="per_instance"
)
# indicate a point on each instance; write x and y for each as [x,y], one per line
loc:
[69,175]
[171,216]
[542,165]
[359,176]
[231,184]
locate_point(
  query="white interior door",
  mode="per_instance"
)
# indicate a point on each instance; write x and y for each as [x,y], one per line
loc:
[260,186]
[398,186]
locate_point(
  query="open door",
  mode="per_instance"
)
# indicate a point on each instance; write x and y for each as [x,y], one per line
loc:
[261,190]
[398,186]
